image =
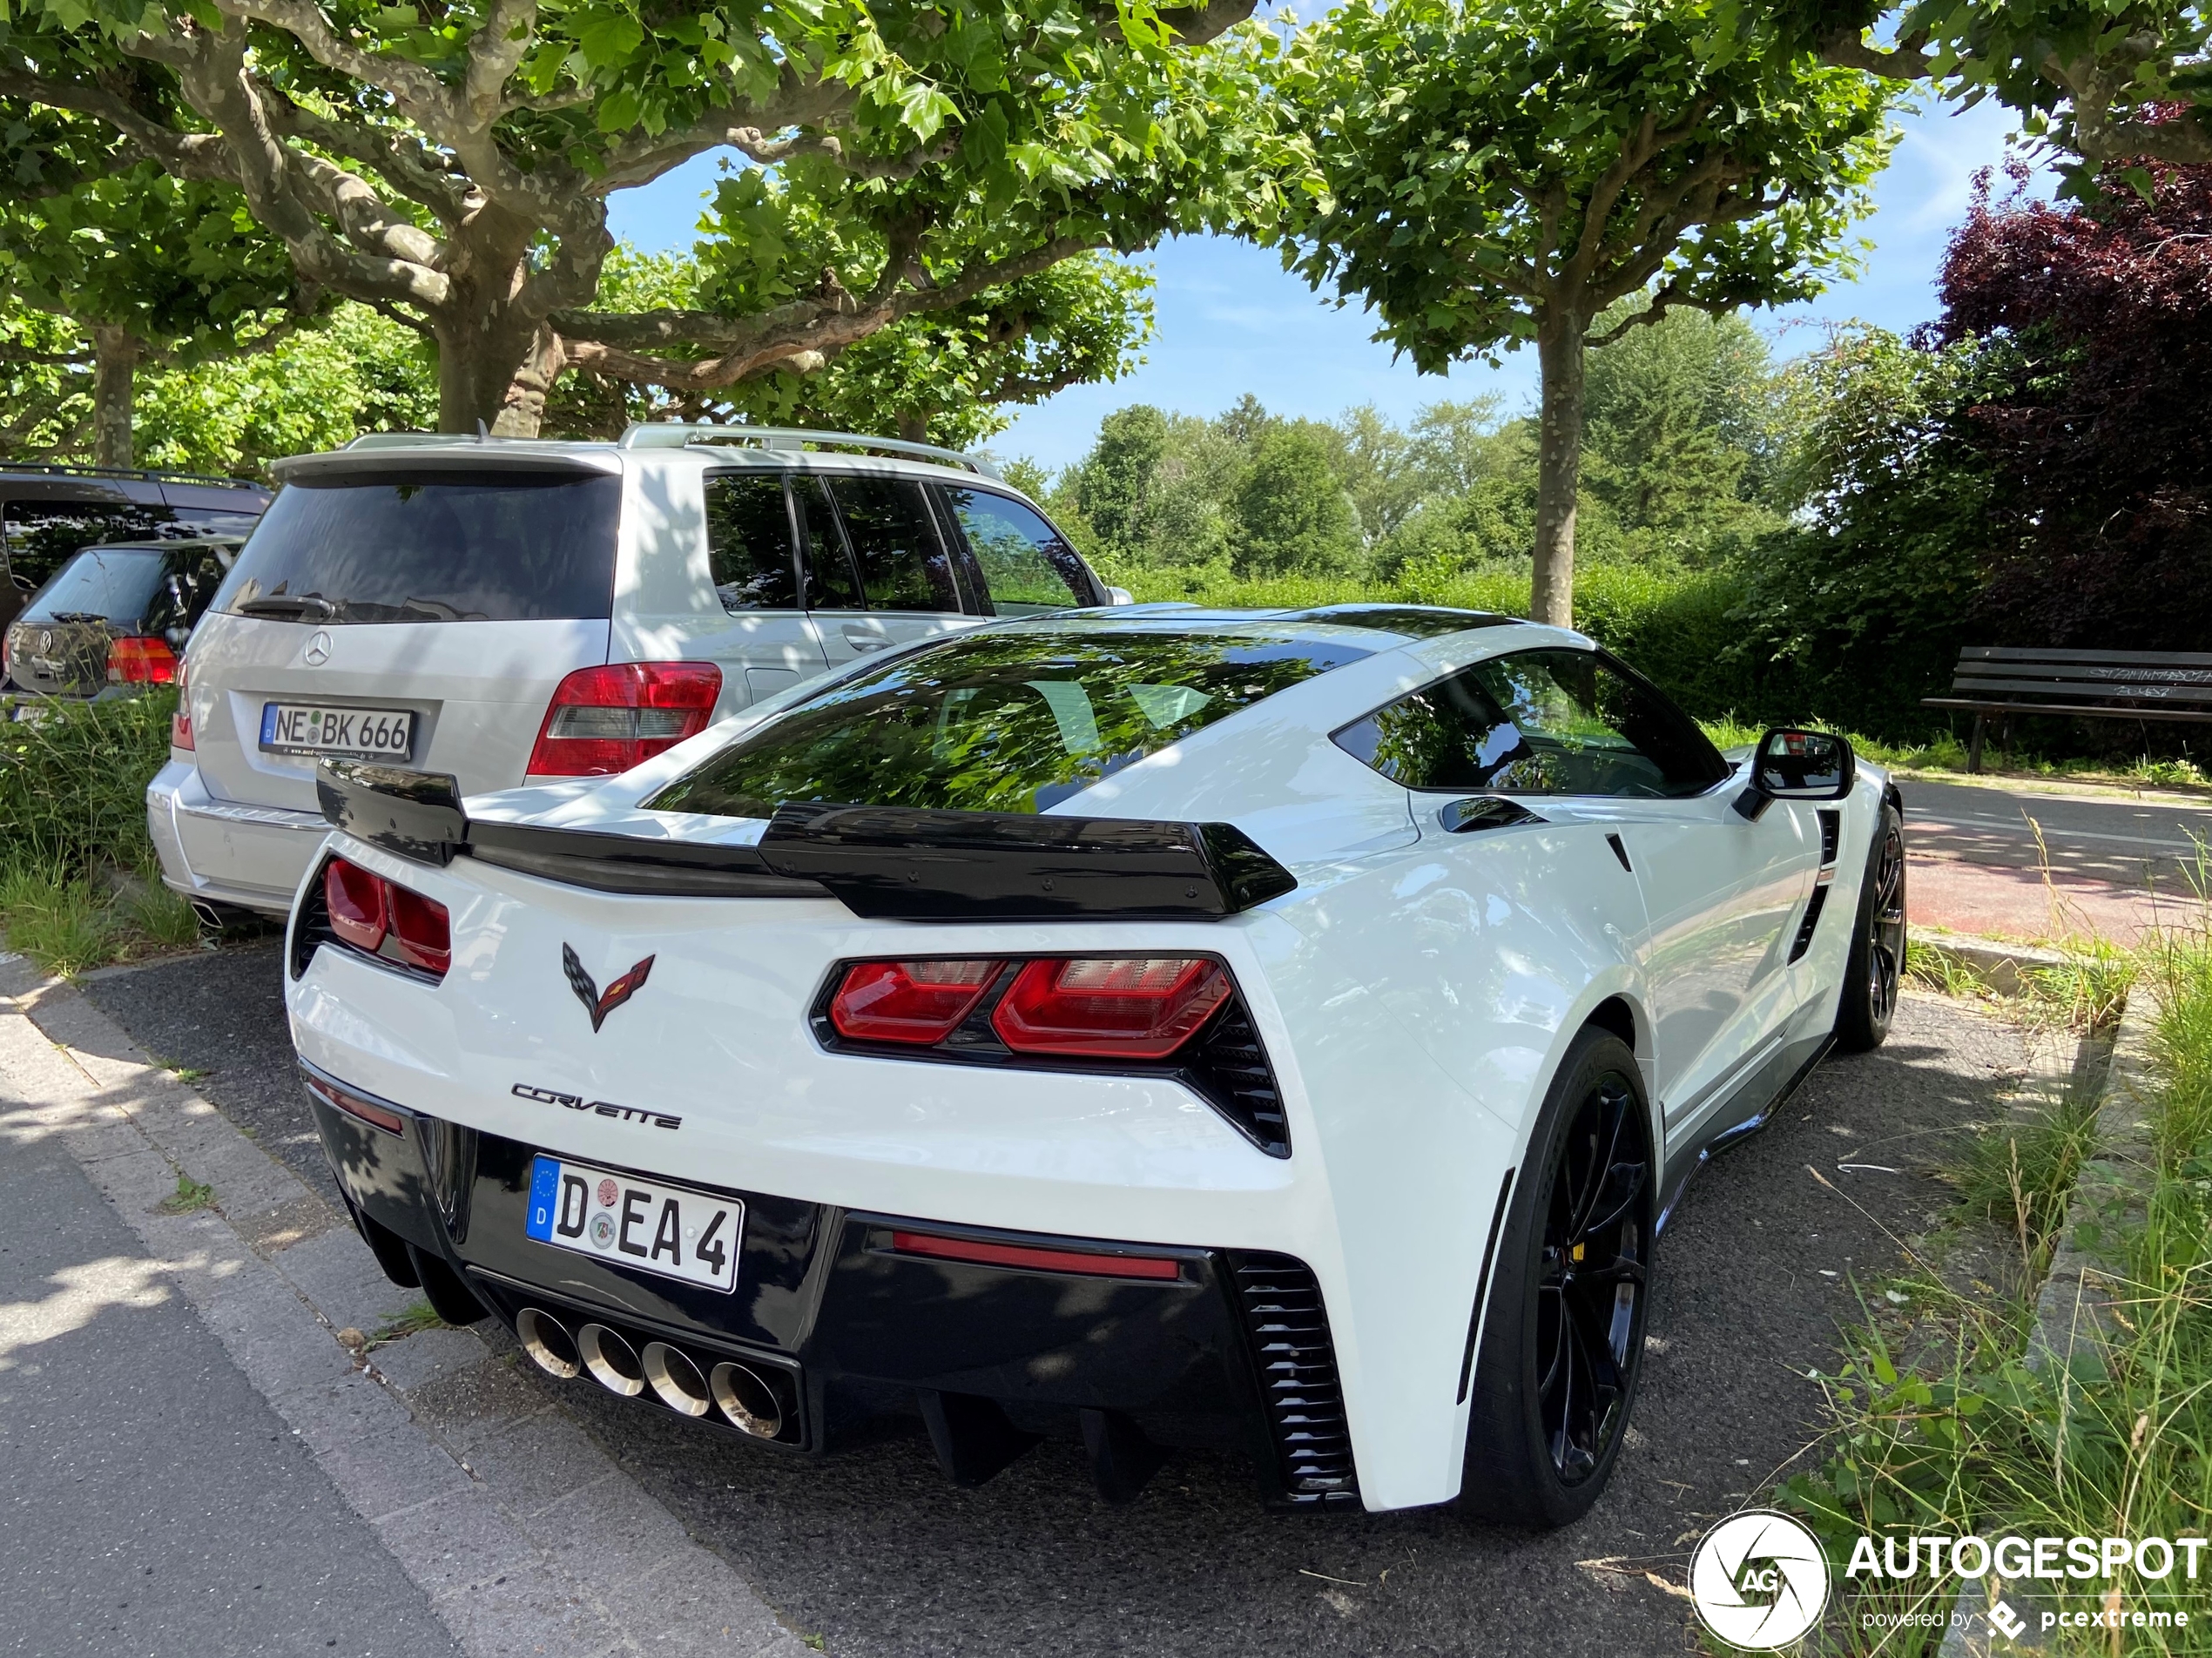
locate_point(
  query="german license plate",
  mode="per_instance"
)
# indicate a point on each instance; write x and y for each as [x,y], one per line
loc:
[308,728]
[644,1225]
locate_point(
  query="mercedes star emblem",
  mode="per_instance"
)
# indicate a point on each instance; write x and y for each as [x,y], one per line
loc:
[318,650]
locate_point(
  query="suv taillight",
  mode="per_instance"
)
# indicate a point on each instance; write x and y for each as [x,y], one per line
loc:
[604,720]
[137,660]
[180,722]
[382,918]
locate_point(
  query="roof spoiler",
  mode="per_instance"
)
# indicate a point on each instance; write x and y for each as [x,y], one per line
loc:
[883,863]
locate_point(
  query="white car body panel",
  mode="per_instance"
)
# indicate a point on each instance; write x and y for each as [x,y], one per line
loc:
[1415,995]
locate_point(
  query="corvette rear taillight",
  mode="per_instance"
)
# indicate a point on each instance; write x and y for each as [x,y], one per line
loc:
[180,722]
[382,918]
[1118,1007]
[354,898]
[1147,1015]
[604,720]
[136,661]
[422,930]
[908,1001]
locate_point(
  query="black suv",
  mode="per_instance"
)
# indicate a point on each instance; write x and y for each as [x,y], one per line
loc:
[49,512]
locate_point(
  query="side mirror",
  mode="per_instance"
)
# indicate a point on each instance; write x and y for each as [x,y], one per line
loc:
[1793,765]
[1119,595]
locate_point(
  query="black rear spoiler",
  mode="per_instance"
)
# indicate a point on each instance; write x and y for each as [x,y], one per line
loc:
[882,862]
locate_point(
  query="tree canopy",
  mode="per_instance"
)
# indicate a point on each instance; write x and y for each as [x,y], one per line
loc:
[2108,80]
[150,266]
[452,165]
[1490,176]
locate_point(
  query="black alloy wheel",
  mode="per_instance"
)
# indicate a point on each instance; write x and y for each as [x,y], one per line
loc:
[1589,1301]
[1563,1337]
[1876,965]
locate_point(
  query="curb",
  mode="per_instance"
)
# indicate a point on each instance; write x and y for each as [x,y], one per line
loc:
[2073,1321]
[523,1534]
[1997,965]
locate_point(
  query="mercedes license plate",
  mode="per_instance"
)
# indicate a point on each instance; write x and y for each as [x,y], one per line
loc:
[305,728]
[626,1222]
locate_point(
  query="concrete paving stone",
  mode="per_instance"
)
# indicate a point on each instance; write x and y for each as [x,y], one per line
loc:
[282,1353]
[456,1541]
[468,1407]
[386,1473]
[610,1533]
[135,1181]
[423,1358]
[686,1605]
[528,1613]
[337,1273]
[97,1142]
[354,1408]
[536,1463]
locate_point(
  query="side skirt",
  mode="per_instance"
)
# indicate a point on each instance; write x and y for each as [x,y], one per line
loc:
[1776,1081]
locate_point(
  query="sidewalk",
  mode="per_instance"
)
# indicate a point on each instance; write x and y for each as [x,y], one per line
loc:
[198,1463]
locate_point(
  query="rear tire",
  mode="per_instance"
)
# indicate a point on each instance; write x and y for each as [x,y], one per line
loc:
[1562,1342]
[1876,968]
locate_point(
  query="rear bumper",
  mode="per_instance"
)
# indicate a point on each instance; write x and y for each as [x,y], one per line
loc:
[225,851]
[1231,1354]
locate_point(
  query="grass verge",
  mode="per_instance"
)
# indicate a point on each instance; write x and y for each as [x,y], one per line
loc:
[1941,1427]
[80,886]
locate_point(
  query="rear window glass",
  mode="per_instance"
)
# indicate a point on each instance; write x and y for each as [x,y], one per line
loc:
[156,588]
[433,547]
[999,722]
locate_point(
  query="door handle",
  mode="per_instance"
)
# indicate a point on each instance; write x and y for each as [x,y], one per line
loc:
[860,639]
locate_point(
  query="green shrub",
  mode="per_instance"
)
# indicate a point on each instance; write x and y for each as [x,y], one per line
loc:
[80,883]
[73,782]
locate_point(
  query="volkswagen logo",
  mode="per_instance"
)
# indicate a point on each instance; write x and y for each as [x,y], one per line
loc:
[46,639]
[318,650]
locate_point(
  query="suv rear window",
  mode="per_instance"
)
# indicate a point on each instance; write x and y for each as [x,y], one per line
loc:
[432,546]
[999,722]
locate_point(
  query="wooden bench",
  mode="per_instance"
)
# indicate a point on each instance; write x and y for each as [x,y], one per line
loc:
[2005,680]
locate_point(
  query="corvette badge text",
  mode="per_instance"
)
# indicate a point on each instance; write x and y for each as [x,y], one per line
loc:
[605,1108]
[1760,1580]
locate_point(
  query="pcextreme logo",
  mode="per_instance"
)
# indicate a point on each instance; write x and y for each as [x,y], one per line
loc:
[1759,1581]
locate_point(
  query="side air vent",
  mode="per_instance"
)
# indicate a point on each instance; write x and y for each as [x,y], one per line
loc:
[1832,834]
[1233,1069]
[1813,907]
[1297,1364]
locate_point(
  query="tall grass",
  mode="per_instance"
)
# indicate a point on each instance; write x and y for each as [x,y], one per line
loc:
[1945,1425]
[80,883]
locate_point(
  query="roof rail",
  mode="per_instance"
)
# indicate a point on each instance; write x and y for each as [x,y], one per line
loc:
[146,474]
[676,434]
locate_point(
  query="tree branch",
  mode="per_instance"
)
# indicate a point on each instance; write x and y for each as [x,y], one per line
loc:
[1850,49]
[752,346]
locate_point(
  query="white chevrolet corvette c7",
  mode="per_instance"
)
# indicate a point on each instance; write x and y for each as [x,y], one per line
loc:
[1277,1032]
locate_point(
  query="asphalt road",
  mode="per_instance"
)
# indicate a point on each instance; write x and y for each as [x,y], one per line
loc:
[151,1501]
[873,1550]
[2125,841]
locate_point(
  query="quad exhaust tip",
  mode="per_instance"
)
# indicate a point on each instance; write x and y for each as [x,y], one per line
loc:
[675,1379]
[613,1363]
[739,1391]
[548,1343]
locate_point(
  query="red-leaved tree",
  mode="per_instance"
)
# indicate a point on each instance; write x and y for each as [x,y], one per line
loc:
[2102,443]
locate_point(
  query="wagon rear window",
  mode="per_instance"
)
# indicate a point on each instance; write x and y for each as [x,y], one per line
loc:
[999,722]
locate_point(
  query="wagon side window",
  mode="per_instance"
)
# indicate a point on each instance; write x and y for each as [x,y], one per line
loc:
[1537,722]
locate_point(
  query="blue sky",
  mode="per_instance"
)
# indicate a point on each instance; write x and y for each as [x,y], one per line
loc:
[1230,320]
